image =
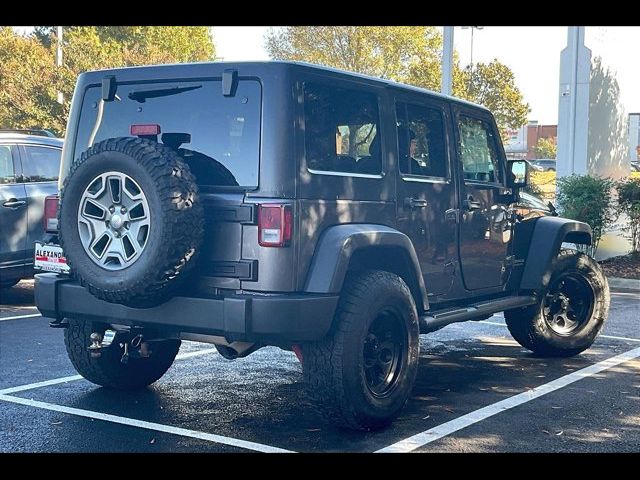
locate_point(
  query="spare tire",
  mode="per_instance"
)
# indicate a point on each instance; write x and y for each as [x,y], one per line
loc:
[131,222]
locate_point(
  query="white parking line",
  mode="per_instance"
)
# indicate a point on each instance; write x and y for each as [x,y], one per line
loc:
[73,378]
[629,339]
[31,315]
[447,428]
[158,427]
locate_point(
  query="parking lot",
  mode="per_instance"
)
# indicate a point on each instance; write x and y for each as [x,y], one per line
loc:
[477,391]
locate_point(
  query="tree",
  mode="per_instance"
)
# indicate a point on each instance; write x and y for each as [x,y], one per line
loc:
[28,64]
[545,148]
[387,52]
[29,84]
[493,85]
[404,54]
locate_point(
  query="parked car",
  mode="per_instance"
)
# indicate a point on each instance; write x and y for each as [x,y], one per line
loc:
[545,164]
[279,203]
[29,166]
[635,167]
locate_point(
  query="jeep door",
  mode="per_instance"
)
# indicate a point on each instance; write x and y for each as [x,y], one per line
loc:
[426,192]
[485,224]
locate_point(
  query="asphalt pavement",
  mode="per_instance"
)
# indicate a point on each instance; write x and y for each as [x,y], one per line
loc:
[477,391]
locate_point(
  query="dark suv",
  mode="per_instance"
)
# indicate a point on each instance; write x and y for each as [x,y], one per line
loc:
[332,214]
[29,165]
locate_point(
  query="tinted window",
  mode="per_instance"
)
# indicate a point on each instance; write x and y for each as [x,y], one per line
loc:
[421,141]
[341,130]
[7,175]
[478,151]
[218,136]
[42,164]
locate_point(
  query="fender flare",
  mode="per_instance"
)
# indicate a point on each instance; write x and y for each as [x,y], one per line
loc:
[339,243]
[546,240]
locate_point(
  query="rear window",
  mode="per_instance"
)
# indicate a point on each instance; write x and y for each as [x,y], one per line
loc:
[218,136]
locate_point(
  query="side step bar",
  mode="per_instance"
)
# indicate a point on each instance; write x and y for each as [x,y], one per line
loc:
[437,320]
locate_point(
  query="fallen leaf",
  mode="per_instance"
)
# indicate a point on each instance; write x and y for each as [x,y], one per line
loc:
[424,418]
[546,431]
[448,410]
[313,429]
[484,389]
[555,407]
[540,376]
[30,360]
[56,423]
[560,432]
[153,440]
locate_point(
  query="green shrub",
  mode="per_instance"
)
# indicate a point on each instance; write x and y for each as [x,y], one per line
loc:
[628,202]
[587,199]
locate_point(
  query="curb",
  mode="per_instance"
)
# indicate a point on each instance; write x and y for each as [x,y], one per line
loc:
[624,283]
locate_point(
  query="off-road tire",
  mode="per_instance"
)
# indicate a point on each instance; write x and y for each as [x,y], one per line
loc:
[334,367]
[529,328]
[107,370]
[175,235]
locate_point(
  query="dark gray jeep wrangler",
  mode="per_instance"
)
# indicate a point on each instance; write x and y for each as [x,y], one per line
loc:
[332,214]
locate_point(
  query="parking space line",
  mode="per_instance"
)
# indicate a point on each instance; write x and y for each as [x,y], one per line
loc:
[46,383]
[31,315]
[158,427]
[73,378]
[447,428]
[629,339]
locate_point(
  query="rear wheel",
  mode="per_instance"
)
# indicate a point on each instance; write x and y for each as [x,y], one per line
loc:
[571,312]
[107,370]
[362,374]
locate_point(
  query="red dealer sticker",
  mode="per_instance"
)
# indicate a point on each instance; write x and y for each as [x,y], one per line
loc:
[50,258]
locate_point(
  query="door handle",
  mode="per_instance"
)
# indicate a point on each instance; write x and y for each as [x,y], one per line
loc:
[470,204]
[415,203]
[14,203]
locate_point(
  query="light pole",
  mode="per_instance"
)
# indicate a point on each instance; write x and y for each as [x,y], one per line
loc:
[471,54]
[59,59]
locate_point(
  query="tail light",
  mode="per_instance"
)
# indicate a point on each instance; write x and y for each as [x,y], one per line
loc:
[274,225]
[51,214]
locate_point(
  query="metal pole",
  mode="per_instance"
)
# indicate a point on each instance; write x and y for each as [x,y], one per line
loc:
[59,59]
[471,62]
[447,61]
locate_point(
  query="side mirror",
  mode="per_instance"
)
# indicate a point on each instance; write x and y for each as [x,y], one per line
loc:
[518,174]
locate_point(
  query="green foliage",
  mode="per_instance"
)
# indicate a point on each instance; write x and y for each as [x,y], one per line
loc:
[29,84]
[545,148]
[494,86]
[404,54]
[628,203]
[30,80]
[587,199]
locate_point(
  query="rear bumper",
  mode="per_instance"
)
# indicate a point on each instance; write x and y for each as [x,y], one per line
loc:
[258,318]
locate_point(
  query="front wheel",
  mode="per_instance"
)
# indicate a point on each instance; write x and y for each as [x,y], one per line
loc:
[107,370]
[571,312]
[362,373]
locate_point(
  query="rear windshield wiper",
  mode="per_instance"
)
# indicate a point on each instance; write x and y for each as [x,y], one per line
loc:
[142,95]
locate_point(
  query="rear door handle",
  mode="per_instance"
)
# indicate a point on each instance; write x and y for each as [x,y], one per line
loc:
[14,203]
[415,203]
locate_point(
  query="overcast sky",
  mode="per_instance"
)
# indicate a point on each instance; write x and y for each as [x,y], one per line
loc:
[533,53]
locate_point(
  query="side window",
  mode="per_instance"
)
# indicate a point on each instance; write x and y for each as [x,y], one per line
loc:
[478,151]
[341,130]
[7,174]
[42,164]
[421,141]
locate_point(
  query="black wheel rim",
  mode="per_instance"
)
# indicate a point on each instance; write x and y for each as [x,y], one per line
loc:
[384,354]
[568,304]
